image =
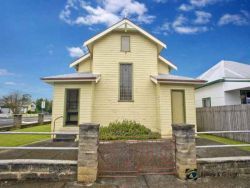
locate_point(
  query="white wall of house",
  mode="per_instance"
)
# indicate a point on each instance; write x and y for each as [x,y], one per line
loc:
[229,86]
[232,97]
[214,91]
[223,93]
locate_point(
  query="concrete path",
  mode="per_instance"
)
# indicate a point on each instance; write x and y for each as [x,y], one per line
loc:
[149,181]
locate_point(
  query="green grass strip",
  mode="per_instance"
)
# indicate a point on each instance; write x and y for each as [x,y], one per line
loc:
[19,140]
[223,140]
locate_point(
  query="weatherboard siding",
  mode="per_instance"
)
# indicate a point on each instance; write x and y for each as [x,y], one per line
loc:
[106,60]
[165,109]
[163,68]
[99,102]
[84,66]
[85,104]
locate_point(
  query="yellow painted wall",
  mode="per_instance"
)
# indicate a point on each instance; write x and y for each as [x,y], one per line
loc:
[84,66]
[106,59]
[99,101]
[164,99]
[85,106]
[163,68]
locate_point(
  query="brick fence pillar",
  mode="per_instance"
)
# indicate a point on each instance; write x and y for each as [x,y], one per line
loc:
[88,153]
[40,118]
[185,152]
[17,121]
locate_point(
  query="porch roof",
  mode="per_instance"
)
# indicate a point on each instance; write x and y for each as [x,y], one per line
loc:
[82,76]
[169,78]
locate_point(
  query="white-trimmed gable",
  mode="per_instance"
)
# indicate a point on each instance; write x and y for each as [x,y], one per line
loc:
[124,25]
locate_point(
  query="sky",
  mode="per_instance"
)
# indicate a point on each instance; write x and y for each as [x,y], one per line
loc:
[41,38]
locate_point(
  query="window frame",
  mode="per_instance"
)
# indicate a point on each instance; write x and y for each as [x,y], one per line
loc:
[132,82]
[204,99]
[65,107]
[129,43]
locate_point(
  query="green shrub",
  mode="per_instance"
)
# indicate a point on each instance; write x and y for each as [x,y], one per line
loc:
[126,130]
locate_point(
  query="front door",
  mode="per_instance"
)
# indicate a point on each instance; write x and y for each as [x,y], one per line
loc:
[72,103]
[178,106]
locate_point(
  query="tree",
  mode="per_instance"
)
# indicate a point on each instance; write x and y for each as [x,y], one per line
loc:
[15,100]
[48,105]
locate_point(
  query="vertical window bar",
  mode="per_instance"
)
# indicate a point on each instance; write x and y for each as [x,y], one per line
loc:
[125,82]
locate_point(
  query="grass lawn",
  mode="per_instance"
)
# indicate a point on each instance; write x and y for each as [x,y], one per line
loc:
[18,140]
[224,140]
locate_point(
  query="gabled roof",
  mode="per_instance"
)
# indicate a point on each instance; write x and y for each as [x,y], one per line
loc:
[167,62]
[169,78]
[79,60]
[124,24]
[227,69]
[83,76]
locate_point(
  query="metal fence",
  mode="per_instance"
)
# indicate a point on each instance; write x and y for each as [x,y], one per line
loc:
[225,118]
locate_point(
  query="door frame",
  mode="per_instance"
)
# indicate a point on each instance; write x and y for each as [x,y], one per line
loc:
[184,103]
[65,107]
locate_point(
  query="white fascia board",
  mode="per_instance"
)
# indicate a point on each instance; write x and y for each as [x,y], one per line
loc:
[176,82]
[167,62]
[86,43]
[153,79]
[76,62]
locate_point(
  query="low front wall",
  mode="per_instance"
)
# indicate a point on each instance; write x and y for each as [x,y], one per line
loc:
[224,166]
[35,169]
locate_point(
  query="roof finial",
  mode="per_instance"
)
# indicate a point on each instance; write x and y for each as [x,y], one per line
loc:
[125,14]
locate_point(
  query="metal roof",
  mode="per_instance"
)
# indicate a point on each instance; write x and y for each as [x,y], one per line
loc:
[227,69]
[169,78]
[83,76]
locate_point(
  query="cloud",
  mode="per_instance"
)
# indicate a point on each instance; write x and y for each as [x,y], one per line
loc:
[182,25]
[185,7]
[10,83]
[107,12]
[193,4]
[203,3]
[164,29]
[76,52]
[160,1]
[202,17]
[235,19]
[4,72]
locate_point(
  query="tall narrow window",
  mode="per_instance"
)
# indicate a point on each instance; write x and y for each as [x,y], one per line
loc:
[126,82]
[125,43]
[72,101]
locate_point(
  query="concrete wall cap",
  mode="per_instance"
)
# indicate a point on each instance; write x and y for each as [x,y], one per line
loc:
[182,126]
[89,126]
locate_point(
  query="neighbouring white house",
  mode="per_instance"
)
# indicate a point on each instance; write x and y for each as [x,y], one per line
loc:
[228,84]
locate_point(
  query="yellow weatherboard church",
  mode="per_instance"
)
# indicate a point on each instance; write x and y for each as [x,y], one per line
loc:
[123,77]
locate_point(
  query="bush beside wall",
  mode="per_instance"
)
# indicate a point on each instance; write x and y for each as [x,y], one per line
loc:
[126,129]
